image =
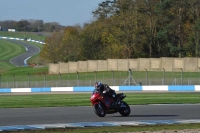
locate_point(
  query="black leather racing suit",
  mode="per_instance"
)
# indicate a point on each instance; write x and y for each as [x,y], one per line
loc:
[110,92]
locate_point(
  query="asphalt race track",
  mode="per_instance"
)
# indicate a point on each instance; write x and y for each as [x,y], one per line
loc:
[30,51]
[55,115]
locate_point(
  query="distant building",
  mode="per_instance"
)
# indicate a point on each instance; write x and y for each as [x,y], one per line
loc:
[11,30]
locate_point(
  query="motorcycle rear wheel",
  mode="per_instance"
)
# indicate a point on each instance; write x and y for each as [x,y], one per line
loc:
[99,110]
[124,111]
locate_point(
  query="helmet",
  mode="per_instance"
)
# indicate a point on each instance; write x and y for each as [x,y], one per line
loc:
[97,85]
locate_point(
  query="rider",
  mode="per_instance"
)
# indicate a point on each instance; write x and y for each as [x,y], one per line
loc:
[104,88]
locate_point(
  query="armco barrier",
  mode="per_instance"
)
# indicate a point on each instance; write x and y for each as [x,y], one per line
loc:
[29,40]
[182,88]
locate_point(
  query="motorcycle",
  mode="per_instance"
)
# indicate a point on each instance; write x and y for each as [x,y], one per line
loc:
[103,104]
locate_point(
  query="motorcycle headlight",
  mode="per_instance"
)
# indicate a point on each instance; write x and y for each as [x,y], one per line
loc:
[92,97]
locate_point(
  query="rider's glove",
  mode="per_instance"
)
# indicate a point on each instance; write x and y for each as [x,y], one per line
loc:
[104,92]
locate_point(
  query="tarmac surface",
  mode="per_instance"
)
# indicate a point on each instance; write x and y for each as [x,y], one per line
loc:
[54,115]
[30,51]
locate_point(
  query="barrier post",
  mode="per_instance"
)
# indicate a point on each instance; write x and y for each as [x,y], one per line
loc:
[146,76]
[44,79]
[0,81]
[28,80]
[181,76]
[13,80]
[95,76]
[199,73]
[60,79]
[77,78]
[130,75]
[163,76]
[112,77]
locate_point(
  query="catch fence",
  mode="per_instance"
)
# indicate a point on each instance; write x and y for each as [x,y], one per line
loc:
[112,78]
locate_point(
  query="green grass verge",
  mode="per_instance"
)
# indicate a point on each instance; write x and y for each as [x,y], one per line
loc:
[10,50]
[118,129]
[5,65]
[25,71]
[59,100]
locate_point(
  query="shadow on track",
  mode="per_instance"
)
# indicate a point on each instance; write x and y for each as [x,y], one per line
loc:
[149,116]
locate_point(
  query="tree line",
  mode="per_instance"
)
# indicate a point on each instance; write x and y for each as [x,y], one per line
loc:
[130,29]
[30,25]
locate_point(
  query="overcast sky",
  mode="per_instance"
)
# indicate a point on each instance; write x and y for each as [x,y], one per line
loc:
[65,12]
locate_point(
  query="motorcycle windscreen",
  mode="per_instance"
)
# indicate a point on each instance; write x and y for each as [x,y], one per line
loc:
[95,91]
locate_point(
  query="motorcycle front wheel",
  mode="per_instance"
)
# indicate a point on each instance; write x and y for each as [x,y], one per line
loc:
[99,110]
[124,109]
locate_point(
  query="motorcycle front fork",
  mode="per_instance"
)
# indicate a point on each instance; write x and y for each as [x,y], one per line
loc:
[99,105]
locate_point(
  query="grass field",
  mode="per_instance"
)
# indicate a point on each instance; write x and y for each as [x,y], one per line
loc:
[25,70]
[32,35]
[8,50]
